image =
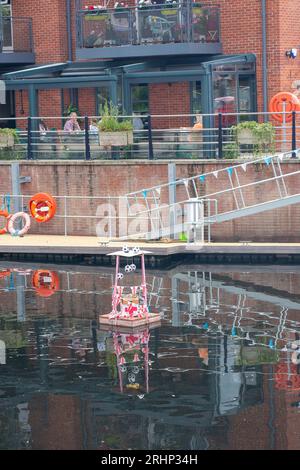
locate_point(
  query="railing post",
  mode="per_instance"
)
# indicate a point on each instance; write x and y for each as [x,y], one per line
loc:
[150,141]
[87,138]
[294,135]
[29,138]
[220,136]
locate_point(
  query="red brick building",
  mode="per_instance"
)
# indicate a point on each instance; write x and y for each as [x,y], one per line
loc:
[159,59]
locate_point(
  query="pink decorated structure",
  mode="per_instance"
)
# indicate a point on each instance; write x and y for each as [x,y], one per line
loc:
[130,302]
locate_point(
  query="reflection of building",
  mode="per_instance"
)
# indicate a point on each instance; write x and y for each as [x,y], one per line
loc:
[208,388]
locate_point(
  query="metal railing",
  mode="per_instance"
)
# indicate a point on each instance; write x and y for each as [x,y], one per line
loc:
[16,34]
[154,137]
[151,24]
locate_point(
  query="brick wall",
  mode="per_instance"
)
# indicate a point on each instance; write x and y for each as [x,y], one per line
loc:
[241,32]
[109,179]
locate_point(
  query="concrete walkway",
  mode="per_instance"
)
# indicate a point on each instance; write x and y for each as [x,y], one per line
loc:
[96,246]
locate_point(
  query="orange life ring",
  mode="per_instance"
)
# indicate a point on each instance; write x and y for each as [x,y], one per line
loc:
[4,274]
[46,283]
[42,207]
[5,214]
[276,105]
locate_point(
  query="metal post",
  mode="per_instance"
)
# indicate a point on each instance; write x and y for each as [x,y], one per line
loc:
[172,197]
[150,141]
[15,186]
[220,136]
[294,136]
[29,138]
[87,138]
[284,126]
[20,288]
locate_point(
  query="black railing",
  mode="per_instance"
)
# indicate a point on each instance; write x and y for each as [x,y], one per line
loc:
[155,137]
[152,24]
[16,34]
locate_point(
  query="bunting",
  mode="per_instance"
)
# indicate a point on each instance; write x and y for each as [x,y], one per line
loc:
[202,178]
[268,160]
[244,166]
[229,171]
[216,174]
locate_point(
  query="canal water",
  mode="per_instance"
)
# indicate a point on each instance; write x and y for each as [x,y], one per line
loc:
[221,372]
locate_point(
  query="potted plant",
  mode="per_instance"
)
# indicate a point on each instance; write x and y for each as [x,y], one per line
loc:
[257,134]
[113,131]
[8,138]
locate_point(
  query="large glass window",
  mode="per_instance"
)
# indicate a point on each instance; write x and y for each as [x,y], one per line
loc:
[102,98]
[6,13]
[140,98]
[196,97]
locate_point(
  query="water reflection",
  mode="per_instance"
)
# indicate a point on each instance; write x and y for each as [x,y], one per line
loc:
[221,372]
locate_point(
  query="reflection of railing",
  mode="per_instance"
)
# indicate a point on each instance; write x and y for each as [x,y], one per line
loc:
[152,24]
[16,34]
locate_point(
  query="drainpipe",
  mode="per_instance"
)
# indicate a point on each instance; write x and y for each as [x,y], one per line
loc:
[69,29]
[264,56]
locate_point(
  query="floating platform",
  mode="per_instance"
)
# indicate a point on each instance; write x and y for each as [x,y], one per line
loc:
[129,324]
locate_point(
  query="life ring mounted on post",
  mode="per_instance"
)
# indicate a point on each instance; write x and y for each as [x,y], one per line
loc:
[46,283]
[7,216]
[42,207]
[284,101]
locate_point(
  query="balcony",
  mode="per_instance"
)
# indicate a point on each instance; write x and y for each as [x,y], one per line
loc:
[154,30]
[16,41]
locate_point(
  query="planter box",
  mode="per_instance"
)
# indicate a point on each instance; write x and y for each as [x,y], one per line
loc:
[246,137]
[117,139]
[7,141]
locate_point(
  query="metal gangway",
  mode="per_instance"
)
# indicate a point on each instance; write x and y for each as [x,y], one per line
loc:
[192,203]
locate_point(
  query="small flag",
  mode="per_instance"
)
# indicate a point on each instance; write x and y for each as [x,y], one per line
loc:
[233,331]
[145,194]
[216,174]
[281,157]
[244,166]
[229,171]
[271,344]
[202,178]
[186,183]
[268,161]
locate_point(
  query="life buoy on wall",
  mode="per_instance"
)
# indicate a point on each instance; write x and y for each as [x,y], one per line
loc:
[7,216]
[15,232]
[42,207]
[46,283]
[292,103]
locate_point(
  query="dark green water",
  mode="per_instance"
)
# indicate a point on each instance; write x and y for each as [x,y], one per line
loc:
[221,372]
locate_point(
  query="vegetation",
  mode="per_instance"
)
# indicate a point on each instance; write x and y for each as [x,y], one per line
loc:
[10,132]
[110,121]
[263,135]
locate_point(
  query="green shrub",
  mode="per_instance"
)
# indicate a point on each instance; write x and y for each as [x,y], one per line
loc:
[263,133]
[110,120]
[10,132]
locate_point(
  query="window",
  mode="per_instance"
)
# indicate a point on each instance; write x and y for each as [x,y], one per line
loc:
[196,97]
[102,98]
[140,99]
[6,13]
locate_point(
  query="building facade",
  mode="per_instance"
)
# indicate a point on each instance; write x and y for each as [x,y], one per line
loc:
[159,58]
